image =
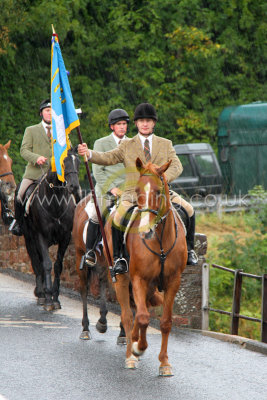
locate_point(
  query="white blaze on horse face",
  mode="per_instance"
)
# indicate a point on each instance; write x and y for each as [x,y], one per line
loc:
[144,223]
[5,156]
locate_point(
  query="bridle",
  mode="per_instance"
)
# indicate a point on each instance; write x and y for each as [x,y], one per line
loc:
[64,185]
[156,212]
[162,220]
[53,186]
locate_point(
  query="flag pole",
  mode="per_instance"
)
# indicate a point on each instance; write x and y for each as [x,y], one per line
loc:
[97,210]
[92,189]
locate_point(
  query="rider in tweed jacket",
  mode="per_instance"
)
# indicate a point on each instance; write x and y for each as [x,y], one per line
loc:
[161,150]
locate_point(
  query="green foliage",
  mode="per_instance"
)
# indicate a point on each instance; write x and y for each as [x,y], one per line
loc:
[250,255]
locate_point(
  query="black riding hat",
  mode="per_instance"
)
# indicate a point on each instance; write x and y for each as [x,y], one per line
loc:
[44,104]
[145,110]
[118,115]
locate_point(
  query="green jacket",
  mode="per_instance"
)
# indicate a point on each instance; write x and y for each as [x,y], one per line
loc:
[107,176]
[35,143]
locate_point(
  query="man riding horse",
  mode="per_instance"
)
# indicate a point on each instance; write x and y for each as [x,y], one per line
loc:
[108,180]
[36,149]
[148,147]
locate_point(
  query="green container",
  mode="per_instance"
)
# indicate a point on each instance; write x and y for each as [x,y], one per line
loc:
[242,147]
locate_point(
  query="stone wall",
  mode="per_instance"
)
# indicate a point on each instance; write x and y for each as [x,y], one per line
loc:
[187,307]
[13,254]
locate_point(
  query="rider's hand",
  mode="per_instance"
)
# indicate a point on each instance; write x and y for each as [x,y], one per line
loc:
[41,160]
[116,192]
[82,149]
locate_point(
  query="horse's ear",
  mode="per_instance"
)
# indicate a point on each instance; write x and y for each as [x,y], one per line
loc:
[139,164]
[163,168]
[7,145]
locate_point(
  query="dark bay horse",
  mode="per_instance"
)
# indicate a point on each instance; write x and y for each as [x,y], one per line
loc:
[49,222]
[87,274]
[157,249]
[7,181]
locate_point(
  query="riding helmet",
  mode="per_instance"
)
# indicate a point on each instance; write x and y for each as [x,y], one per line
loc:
[118,115]
[45,103]
[145,110]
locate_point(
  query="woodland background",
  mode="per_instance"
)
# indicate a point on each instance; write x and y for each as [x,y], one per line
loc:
[189,58]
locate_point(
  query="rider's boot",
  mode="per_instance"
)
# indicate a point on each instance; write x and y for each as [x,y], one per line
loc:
[16,225]
[190,237]
[120,263]
[92,238]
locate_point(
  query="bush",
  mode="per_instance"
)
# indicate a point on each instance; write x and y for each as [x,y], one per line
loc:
[250,255]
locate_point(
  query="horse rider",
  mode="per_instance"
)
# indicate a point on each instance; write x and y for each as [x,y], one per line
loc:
[109,179]
[148,147]
[36,149]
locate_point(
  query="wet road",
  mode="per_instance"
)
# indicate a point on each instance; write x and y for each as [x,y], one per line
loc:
[42,357]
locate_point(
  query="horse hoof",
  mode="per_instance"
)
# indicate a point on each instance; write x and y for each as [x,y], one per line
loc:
[165,370]
[40,301]
[121,340]
[86,335]
[131,362]
[102,328]
[135,349]
[57,305]
[49,307]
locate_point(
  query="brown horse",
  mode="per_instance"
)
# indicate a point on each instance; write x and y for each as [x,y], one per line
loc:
[157,249]
[7,181]
[87,274]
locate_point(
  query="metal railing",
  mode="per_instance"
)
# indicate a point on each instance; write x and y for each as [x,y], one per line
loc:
[235,313]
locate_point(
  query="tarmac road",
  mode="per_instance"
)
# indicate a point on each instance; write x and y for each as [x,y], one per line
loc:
[42,358]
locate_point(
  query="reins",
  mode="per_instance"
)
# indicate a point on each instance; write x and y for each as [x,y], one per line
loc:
[53,186]
[162,255]
[6,174]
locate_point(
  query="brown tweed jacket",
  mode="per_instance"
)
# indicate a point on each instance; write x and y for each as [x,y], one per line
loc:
[129,150]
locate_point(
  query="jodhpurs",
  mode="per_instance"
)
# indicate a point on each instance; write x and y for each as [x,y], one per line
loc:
[125,205]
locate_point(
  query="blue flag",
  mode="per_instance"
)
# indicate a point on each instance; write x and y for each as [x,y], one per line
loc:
[64,116]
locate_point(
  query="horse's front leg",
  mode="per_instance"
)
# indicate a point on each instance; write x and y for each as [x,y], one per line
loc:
[47,267]
[58,266]
[142,315]
[172,287]
[122,293]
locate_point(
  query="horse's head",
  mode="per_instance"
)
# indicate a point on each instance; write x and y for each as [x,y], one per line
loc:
[152,195]
[71,168]
[7,181]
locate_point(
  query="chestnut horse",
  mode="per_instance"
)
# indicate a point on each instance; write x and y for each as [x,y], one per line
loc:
[7,181]
[156,245]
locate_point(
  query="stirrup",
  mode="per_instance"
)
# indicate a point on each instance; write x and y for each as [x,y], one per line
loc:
[15,228]
[90,258]
[86,262]
[193,257]
[120,266]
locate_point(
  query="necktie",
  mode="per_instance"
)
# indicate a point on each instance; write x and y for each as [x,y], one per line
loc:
[119,142]
[48,132]
[147,150]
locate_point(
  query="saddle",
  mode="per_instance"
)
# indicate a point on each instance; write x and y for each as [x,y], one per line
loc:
[182,214]
[28,196]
